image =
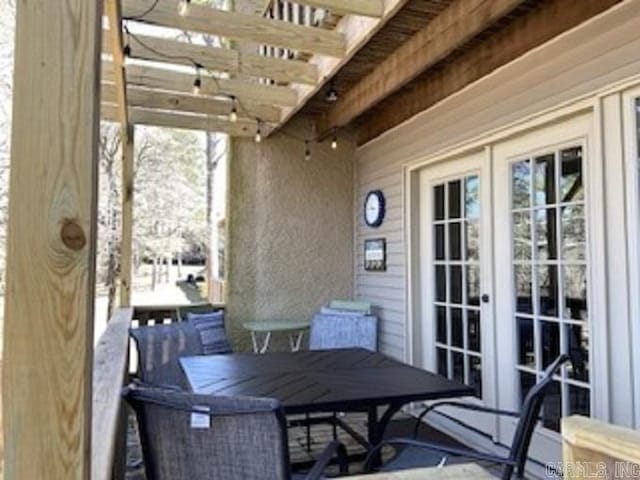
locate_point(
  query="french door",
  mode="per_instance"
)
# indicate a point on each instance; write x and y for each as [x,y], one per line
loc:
[456,288]
[543,287]
[505,270]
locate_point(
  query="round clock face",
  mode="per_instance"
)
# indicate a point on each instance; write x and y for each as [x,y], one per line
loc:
[374,208]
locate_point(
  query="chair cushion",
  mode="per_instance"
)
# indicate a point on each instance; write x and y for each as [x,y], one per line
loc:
[160,348]
[336,311]
[339,331]
[412,457]
[213,336]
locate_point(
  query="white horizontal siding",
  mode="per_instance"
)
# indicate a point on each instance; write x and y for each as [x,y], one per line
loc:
[591,57]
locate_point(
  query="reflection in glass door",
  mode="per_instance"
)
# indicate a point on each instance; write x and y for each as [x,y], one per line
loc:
[456,269]
[550,278]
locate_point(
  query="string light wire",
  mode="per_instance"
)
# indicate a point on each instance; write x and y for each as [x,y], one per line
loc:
[236,103]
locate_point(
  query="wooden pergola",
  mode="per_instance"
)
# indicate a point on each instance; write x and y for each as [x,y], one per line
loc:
[72,69]
[63,87]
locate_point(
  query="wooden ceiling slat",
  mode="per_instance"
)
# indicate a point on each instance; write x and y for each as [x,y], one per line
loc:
[164,79]
[457,24]
[238,26]
[367,8]
[180,102]
[164,50]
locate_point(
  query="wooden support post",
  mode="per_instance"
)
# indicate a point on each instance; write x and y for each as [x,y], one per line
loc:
[126,247]
[51,245]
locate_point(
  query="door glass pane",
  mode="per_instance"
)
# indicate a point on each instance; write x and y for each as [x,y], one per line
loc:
[574,237]
[456,238]
[438,196]
[546,236]
[522,235]
[441,324]
[545,180]
[455,241]
[473,285]
[454,210]
[439,236]
[473,330]
[472,240]
[548,290]
[550,277]
[456,328]
[526,349]
[521,184]
[571,188]
[472,197]
[475,375]
[523,288]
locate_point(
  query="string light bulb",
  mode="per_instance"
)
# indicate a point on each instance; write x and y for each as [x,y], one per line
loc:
[233,116]
[183,7]
[258,133]
[307,151]
[334,142]
[197,82]
[332,94]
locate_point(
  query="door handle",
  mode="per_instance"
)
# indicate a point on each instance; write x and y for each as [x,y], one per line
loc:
[485,298]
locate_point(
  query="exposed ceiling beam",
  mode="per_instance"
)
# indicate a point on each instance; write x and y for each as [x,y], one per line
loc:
[144,47]
[521,36]
[160,118]
[357,31]
[238,26]
[165,79]
[367,8]
[458,23]
[181,102]
[114,15]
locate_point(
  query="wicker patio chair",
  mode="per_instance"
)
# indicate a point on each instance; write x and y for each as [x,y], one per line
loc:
[201,437]
[414,453]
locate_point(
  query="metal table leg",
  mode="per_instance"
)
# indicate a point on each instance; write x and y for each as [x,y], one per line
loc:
[376,428]
[256,343]
[295,341]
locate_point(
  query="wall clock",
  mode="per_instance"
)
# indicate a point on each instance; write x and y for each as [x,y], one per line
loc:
[374,208]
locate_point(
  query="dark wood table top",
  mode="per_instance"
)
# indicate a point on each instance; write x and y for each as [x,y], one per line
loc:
[324,380]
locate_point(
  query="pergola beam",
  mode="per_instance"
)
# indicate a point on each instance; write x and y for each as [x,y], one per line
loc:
[145,47]
[179,81]
[51,241]
[457,24]
[114,15]
[126,242]
[367,8]
[521,36]
[184,103]
[238,26]
[169,119]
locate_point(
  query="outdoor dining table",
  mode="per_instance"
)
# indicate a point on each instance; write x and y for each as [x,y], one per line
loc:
[322,381]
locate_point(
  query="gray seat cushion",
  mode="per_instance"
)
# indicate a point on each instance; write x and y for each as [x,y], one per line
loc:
[412,457]
[210,327]
[159,350]
[343,331]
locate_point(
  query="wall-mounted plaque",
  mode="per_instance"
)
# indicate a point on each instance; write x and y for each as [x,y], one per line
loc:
[375,255]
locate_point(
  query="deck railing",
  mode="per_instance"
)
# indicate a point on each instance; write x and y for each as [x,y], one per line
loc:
[293,12]
[594,449]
